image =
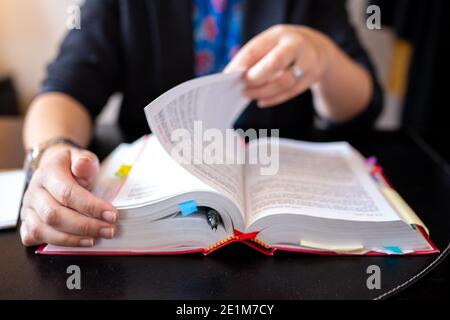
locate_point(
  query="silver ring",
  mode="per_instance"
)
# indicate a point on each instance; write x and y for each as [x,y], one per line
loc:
[296,71]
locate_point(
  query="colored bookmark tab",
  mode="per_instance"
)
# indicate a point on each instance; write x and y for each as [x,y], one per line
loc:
[341,249]
[372,161]
[395,250]
[123,171]
[187,208]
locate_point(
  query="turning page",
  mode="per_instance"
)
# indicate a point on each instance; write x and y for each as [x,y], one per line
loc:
[191,122]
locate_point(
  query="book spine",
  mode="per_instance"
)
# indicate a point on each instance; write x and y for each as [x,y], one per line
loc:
[249,239]
[220,244]
[259,242]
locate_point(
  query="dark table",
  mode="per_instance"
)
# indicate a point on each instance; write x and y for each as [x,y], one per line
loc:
[237,272]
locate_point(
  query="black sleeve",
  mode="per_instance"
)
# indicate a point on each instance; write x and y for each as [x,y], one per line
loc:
[87,66]
[332,19]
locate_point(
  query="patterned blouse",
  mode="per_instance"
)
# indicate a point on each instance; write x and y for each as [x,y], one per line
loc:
[216,32]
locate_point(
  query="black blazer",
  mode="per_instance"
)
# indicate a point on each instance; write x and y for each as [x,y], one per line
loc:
[144,47]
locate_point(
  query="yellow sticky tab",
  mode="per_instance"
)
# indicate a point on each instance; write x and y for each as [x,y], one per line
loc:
[354,249]
[402,208]
[123,171]
[398,73]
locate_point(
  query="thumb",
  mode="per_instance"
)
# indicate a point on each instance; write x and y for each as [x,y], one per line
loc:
[84,167]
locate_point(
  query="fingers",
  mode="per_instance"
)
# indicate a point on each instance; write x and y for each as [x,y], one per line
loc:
[64,219]
[284,96]
[254,50]
[273,63]
[286,86]
[34,232]
[65,189]
[57,209]
[306,63]
[283,82]
[267,59]
[84,166]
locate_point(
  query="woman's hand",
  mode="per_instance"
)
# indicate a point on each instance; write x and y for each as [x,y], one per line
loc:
[58,208]
[273,57]
[286,60]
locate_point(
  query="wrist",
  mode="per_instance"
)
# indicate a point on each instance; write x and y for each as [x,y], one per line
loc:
[331,57]
[37,152]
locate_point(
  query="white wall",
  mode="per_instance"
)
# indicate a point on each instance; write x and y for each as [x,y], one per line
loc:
[30,31]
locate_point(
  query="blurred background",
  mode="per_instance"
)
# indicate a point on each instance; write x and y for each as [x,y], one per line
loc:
[409,53]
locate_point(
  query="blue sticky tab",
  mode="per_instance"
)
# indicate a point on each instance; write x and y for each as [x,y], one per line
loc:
[394,249]
[187,207]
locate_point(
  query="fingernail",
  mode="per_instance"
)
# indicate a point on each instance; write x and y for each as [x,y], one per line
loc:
[109,216]
[87,159]
[106,233]
[251,74]
[86,242]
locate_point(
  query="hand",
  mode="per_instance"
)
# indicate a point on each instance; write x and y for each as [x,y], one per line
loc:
[58,208]
[268,59]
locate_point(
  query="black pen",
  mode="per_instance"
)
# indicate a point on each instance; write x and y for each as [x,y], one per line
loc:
[213,218]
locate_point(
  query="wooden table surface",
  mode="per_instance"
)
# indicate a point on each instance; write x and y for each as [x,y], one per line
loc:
[11,146]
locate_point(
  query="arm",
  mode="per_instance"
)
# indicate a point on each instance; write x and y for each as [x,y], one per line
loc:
[58,207]
[56,115]
[344,91]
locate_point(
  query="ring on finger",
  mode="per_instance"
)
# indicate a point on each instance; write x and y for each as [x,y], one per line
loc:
[296,71]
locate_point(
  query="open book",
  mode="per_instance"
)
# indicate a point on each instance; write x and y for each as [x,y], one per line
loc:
[194,185]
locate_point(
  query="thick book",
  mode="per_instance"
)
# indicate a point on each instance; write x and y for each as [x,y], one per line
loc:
[196,185]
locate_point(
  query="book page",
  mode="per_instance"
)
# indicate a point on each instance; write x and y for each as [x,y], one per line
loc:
[12,184]
[151,175]
[188,118]
[327,180]
[108,182]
